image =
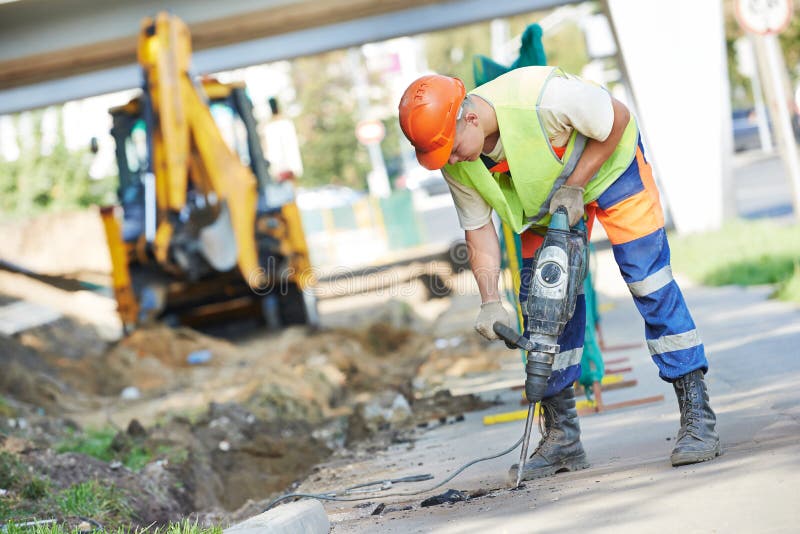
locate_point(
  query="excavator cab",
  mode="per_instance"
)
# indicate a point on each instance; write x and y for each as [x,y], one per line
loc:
[206,235]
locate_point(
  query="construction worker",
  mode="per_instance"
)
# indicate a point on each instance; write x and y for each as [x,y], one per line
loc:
[523,144]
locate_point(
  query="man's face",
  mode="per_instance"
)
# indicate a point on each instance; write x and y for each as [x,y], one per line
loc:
[468,142]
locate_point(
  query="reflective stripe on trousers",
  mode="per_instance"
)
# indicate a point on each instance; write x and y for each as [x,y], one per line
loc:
[630,212]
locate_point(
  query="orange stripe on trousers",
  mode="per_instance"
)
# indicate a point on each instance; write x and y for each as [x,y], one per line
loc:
[626,221]
[636,216]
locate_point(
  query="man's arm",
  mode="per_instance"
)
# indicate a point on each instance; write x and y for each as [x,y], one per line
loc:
[483,246]
[572,103]
[597,152]
[484,259]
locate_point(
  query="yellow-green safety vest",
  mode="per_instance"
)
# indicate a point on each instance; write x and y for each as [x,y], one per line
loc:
[537,171]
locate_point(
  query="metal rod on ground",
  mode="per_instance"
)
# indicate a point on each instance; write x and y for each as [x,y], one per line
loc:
[526,438]
[598,395]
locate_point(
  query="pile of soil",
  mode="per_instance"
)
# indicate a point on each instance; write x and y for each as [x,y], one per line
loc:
[461,356]
[248,419]
[253,418]
[29,378]
[221,425]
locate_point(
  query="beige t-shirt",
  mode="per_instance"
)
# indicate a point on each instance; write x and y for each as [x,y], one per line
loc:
[567,103]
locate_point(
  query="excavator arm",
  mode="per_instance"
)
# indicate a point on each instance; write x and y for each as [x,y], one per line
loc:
[205,234]
[188,146]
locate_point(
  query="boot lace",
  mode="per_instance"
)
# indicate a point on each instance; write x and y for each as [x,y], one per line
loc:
[690,413]
[546,421]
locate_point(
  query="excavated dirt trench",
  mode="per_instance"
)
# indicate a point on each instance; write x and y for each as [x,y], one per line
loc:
[247,424]
[216,438]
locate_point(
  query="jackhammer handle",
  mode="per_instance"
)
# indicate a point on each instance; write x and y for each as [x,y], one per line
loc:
[580,225]
[511,337]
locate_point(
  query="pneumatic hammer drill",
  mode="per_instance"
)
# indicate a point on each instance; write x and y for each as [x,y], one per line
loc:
[559,270]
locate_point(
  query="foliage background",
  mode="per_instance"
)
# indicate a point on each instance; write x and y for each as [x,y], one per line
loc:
[44,179]
[326,124]
[49,178]
[789,39]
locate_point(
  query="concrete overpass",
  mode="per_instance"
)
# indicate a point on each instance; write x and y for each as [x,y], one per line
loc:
[57,50]
[672,54]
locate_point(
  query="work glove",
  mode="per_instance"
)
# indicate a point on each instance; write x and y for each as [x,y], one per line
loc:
[490,313]
[571,197]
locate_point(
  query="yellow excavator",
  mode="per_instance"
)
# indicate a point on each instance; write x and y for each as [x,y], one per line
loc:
[204,233]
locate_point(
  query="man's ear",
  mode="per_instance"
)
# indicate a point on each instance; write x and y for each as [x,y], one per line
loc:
[471,118]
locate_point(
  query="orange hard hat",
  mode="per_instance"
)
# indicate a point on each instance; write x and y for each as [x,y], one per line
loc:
[428,113]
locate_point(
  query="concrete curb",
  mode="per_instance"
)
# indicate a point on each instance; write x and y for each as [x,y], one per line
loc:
[301,517]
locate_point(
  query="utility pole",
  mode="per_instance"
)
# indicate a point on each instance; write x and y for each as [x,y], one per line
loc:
[778,98]
[765,19]
[378,178]
[746,64]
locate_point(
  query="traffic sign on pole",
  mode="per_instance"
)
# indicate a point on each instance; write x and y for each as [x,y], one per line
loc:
[764,17]
[767,18]
[370,132]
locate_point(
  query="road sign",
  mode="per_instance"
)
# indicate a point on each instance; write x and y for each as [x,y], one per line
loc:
[370,132]
[773,71]
[764,17]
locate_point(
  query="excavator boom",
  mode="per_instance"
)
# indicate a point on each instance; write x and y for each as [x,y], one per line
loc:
[193,210]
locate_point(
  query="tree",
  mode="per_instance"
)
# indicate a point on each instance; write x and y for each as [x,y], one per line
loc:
[49,178]
[790,44]
[327,121]
[566,48]
[450,52]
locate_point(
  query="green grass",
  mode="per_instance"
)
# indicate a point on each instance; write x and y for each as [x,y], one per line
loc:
[743,253]
[11,470]
[90,499]
[32,498]
[35,489]
[97,444]
[5,509]
[25,491]
[790,289]
[184,527]
[174,455]
[5,409]
[137,458]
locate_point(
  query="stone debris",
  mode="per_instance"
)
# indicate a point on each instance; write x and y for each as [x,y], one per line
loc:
[448,497]
[218,422]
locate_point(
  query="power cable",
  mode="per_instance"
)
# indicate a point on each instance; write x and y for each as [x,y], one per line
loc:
[331,496]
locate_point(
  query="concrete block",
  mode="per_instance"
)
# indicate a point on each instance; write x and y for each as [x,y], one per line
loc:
[301,517]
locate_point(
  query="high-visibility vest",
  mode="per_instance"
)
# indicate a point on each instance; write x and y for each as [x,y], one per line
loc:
[521,197]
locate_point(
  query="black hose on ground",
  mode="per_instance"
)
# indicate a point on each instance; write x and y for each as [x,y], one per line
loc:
[331,495]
